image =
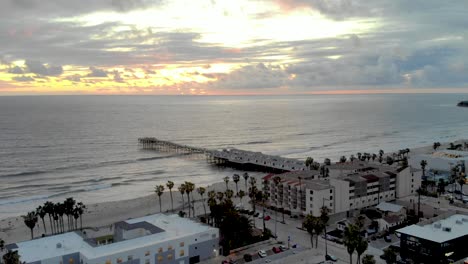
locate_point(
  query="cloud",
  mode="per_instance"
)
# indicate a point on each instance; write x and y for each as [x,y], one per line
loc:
[117,77]
[16,70]
[23,78]
[95,72]
[41,69]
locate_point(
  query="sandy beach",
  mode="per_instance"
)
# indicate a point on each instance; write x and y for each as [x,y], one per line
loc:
[100,215]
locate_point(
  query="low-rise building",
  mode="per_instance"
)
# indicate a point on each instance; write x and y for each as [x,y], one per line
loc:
[438,240]
[151,239]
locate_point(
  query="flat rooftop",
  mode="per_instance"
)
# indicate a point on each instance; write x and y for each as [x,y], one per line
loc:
[173,227]
[437,231]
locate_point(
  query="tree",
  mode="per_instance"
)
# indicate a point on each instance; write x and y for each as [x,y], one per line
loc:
[80,210]
[441,186]
[201,191]
[42,213]
[350,238]
[327,161]
[343,159]
[189,188]
[359,155]
[170,185]
[324,218]
[2,245]
[235,179]
[11,257]
[182,192]
[308,162]
[226,180]
[374,156]
[159,190]
[252,194]
[49,209]
[389,160]
[246,177]
[228,195]
[423,167]
[30,221]
[309,224]
[241,195]
[368,259]
[381,152]
[361,247]
[352,158]
[390,255]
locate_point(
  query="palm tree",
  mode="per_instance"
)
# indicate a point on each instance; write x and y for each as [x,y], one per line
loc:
[226,180]
[381,152]
[60,210]
[42,213]
[361,247]
[182,192]
[352,158]
[309,224]
[49,209]
[235,179]
[350,237]
[241,195]
[229,194]
[423,167]
[2,245]
[30,221]
[246,177]
[201,191]
[11,257]
[81,207]
[343,159]
[319,228]
[220,196]
[170,185]
[374,156]
[368,259]
[359,155]
[252,194]
[308,162]
[190,187]
[159,190]
[324,218]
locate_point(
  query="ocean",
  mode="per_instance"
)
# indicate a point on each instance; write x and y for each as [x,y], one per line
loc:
[53,147]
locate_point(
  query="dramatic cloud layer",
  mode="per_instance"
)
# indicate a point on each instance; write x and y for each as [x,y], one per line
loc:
[223,47]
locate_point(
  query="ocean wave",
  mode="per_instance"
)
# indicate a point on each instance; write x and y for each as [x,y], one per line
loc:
[256,142]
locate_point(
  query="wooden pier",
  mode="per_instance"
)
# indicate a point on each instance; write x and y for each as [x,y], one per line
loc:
[229,157]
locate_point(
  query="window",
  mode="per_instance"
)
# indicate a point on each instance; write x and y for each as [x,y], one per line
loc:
[147,253]
[311,199]
[70,261]
[130,257]
[182,253]
[169,257]
[160,250]
[311,192]
[147,261]
[331,191]
[119,260]
[160,258]
[331,197]
[169,248]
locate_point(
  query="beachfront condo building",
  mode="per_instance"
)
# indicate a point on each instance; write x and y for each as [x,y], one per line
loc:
[348,187]
[152,239]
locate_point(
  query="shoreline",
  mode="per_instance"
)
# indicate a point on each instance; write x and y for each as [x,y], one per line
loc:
[98,215]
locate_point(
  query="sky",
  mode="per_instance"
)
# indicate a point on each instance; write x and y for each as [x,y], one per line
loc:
[214,47]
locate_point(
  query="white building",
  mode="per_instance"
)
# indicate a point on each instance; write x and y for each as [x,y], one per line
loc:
[151,239]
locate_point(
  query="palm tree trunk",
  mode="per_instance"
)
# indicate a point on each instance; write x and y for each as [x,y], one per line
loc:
[237,190]
[81,222]
[188,202]
[32,234]
[358,261]
[204,207]
[50,221]
[160,207]
[183,203]
[351,258]
[172,201]
[312,241]
[43,222]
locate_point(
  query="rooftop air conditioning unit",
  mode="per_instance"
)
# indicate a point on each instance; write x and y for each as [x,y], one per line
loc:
[437,225]
[447,229]
[459,222]
[59,245]
[464,219]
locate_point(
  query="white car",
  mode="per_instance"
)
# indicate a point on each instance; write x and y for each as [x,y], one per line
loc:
[260,216]
[262,253]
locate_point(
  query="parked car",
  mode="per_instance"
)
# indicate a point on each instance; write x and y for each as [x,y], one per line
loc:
[283,248]
[276,250]
[387,238]
[262,253]
[267,217]
[260,216]
[247,257]
[331,258]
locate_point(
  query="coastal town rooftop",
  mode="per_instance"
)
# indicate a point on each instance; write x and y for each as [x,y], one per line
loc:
[441,230]
[162,228]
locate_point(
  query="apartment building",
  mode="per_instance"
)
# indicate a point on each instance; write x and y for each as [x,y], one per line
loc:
[350,186]
[151,239]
